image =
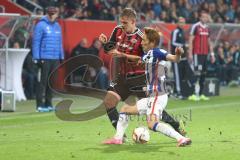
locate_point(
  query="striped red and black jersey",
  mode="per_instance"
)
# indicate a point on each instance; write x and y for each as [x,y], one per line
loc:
[129,43]
[200,42]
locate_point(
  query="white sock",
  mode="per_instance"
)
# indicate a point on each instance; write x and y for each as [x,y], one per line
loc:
[121,125]
[167,130]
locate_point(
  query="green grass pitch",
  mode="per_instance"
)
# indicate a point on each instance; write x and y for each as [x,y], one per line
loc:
[214,127]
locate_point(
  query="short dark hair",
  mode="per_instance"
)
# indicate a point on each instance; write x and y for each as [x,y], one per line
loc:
[129,12]
[51,10]
[152,35]
[203,12]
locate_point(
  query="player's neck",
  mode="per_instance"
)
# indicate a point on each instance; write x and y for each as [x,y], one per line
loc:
[132,30]
[202,23]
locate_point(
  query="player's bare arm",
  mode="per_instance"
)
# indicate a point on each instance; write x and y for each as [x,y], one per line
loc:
[175,58]
[190,49]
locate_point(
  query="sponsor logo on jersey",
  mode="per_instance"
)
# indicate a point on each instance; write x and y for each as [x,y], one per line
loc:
[133,41]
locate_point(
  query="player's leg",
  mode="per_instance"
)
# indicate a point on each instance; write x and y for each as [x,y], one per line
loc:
[110,101]
[167,118]
[203,62]
[122,123]
[117,91]
[176,78]
[158,126]
[154,113]
[197,69]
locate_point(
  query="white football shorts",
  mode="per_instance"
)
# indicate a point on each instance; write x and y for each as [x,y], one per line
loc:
[152,105]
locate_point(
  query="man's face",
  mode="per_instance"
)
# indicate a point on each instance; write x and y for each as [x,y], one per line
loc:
[55,15]
[204,18]
[127,23]
[146,45]
[181,22]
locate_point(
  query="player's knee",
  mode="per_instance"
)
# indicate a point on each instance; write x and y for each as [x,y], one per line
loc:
[123,109]
[107,103]
[110,101]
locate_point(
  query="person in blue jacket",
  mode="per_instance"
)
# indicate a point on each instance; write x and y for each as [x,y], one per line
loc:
[47,52]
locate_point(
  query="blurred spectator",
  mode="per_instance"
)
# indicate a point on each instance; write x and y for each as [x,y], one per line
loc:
[95,6]
[179,69]
[81,48]
[29,77]
[95,47]
[102,77]
[79,76]
[164,17]
[229,63]
[212,67]
[220,10]
[230,14]
[194,17]
[236,64]
[157,8]
[16,45]
[39,12]
[222,65]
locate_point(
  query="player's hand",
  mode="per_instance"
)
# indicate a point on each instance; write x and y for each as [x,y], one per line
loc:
[140,62]
[179,51]
[116,53]
[103,38]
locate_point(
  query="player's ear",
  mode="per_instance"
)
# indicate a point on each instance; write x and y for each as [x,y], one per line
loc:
[133,21]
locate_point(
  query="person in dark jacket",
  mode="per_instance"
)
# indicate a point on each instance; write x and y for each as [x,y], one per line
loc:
[47,52]
[180,69]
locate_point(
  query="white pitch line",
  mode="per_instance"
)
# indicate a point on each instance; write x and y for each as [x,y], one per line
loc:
[205,106]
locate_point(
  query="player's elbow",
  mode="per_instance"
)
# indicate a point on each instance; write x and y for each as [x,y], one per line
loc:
[107,103]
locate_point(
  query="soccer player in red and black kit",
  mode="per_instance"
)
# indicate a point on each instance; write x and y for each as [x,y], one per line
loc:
[125,43]
[199,45]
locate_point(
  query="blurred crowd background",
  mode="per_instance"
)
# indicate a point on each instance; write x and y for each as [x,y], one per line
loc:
[220,11]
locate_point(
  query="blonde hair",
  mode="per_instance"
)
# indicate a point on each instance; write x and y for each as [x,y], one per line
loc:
[129,12]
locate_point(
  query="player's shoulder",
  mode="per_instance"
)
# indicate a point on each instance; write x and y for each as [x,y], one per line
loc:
[156,52]
[118,27]
[194,27]
[176,30]
[197,24]
[159,50]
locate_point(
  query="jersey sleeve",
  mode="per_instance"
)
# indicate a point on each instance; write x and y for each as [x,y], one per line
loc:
[161,54]
[193,30]
[112,41]
[113,38]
